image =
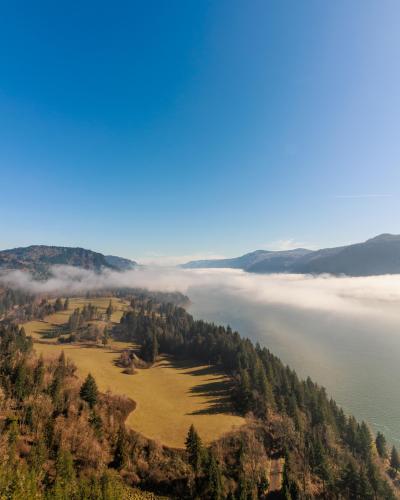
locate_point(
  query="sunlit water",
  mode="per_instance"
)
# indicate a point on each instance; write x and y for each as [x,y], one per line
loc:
[356,358]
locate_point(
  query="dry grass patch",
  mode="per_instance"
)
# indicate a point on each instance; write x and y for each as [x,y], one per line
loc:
[38,328]
[169,396]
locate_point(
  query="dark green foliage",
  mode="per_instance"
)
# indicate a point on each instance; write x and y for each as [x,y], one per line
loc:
[394,459]
[194,449]
[109,310]
[89,391]
[149,350]
[121,450]
[58,305]
[213,478]
[380,443]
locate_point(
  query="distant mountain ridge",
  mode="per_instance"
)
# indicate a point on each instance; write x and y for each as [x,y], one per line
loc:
[376,256]
[39,258]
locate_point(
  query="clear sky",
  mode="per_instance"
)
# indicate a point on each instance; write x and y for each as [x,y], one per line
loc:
[185,128]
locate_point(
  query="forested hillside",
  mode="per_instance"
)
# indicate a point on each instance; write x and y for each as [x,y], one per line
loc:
[39,258]
[376,256]
[62,438]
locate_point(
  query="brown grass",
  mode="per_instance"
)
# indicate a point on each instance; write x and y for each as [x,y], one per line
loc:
[170,396]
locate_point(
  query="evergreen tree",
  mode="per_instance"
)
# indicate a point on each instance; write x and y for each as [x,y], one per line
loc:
[194,449]
[364,441]
[58,306]
[65,475]
[394,459]
[38,375]
[244,400]
[21,385]
[154,346]
[106,336]
[56,390]
[121,450]
[213,478]
[349,481]
[380,443]
[89,391]
[109,310]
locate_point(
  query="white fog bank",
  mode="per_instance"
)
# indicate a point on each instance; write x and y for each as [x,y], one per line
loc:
[364,295]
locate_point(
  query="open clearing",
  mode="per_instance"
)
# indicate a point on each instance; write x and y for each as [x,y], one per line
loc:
[37,328]
[170,396]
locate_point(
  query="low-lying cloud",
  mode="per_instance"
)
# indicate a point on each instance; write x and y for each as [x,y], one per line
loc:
[364,295]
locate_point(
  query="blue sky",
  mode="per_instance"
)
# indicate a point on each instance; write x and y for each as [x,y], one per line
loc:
[188,128]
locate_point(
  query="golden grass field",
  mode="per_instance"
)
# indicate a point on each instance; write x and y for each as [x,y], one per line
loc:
[37,328]
[170,396]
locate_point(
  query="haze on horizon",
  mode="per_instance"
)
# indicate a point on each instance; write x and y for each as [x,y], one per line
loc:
[176,131]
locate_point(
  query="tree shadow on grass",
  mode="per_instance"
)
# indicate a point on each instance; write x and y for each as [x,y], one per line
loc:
[216,391]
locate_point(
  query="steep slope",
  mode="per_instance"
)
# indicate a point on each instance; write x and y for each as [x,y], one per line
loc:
[379,255]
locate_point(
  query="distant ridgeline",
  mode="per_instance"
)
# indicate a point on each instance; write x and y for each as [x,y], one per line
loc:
[61,438]
[379,255]
[39,258]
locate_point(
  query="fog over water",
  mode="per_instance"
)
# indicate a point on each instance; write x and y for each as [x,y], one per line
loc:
[343,332]
[352,349]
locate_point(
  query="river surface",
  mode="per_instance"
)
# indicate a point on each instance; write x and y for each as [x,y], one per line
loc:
[355,356]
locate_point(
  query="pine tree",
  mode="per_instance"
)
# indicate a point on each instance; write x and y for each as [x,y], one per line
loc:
[194,449]
[55,390]
[364,441]
[394,459]
[154,353]
[244,400]
[105,337]
[65,483]
[89,391]
[21,387]
[58,306]
[121,450]
[109,310]
[214,482]
[350,480]
[38,374]
[380,443]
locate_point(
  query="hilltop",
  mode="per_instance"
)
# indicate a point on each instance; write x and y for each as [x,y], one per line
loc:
[38,259]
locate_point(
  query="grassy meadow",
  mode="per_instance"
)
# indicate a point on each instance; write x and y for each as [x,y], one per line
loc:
[170,396]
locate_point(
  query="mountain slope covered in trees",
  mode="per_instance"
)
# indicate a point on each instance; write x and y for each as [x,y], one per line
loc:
[61,438]
[39,258]
[379,255]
